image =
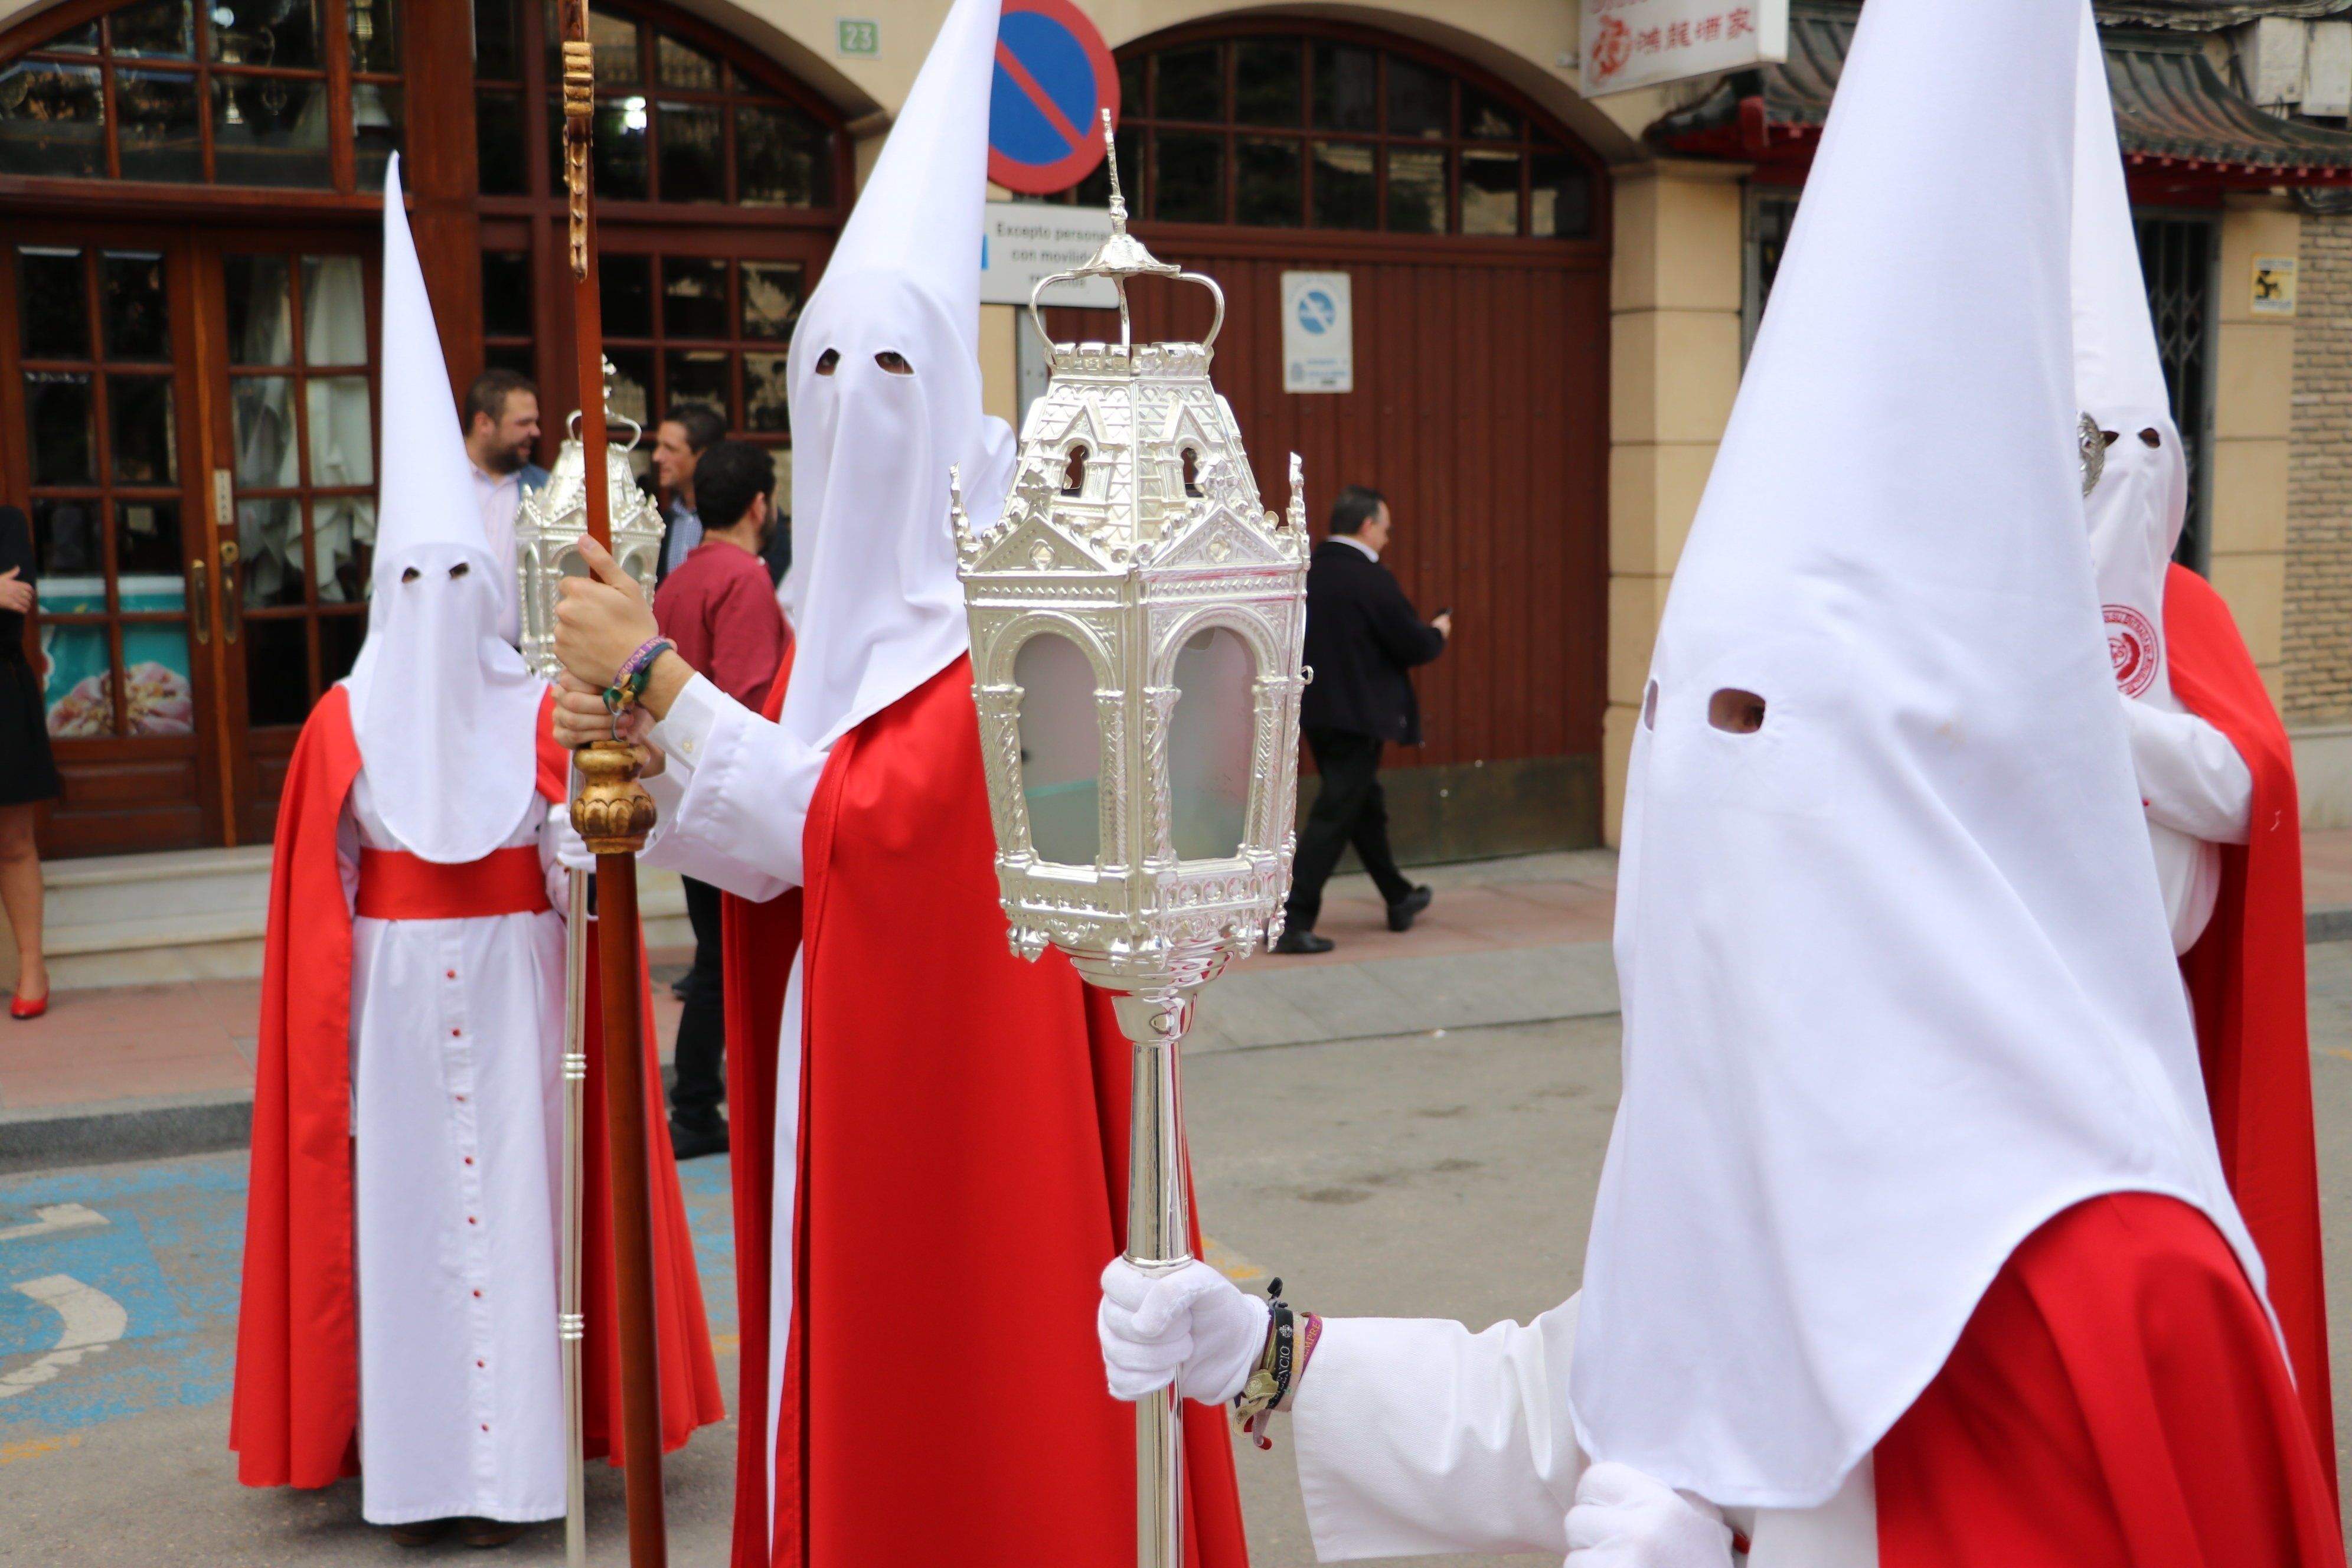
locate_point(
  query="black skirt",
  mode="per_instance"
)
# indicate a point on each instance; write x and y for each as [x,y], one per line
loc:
[27,771]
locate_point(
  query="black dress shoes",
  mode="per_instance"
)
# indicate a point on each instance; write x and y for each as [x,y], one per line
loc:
[1403,914]
[692,1142]
[1299,939]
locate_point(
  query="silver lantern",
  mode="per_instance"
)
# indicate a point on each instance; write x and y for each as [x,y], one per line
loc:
[552,518]
[1136,616]
[547,529]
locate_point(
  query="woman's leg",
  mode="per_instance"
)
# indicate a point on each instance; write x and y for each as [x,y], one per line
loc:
[20,895]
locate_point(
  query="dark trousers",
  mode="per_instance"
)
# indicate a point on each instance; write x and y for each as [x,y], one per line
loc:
[1349,810]
[702,1027]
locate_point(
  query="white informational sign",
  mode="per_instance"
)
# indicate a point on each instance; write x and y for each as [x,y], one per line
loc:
[1641,43]
[1022,242]
[1319,333]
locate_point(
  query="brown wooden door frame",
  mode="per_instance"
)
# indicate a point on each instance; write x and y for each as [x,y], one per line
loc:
[116,782]
[252,758]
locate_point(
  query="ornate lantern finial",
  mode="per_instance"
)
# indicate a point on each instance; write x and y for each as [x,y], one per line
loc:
[549,524]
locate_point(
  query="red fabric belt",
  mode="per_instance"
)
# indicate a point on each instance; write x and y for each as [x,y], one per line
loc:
[397,886]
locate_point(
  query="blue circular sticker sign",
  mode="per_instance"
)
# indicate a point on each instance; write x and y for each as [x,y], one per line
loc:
[1054,76]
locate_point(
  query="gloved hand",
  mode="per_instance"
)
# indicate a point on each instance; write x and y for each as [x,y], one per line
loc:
[1194,1326]
[1622,1519]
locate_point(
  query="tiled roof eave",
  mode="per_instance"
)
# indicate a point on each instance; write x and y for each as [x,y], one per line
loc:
[2172,108]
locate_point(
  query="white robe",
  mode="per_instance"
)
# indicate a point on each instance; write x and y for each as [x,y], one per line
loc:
[2198,796]
[457,1087]
[1417,1437]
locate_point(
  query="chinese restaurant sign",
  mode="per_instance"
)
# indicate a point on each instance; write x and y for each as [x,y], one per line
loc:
[1641,43]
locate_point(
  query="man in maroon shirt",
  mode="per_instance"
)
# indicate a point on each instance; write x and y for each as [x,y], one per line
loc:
[721,610]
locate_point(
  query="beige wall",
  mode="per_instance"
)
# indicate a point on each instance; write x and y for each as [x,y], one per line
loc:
[1675,291]
[2253,427]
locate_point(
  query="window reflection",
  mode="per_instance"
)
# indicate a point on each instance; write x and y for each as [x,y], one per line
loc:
[1385,140]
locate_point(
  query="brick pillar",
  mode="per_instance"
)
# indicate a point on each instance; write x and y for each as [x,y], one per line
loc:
[1673,369]
[2317,652]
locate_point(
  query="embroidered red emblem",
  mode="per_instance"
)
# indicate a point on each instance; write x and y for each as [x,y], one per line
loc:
[2131,645]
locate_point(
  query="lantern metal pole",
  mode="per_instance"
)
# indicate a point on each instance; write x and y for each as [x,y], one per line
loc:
[613,813]
[1159,1241]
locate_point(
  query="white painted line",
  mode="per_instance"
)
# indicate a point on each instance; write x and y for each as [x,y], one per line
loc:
[93,1321]
[52,1219]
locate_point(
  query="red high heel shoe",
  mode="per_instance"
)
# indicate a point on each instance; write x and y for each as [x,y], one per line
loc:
[23,1009]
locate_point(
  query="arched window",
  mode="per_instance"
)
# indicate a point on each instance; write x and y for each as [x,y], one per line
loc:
[1289,127]
[189,337]
[234,92]
[721,182]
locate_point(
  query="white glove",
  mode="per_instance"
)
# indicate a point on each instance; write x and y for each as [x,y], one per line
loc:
[1194,1327]
[1622,1519]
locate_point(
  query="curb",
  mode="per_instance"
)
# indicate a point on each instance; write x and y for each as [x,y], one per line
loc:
[135,1130]
[1314,1004]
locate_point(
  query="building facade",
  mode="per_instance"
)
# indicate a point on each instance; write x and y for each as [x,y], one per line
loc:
[1551,298]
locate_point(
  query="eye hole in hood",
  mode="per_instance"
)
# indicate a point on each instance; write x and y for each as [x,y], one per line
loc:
[892,361]
[1736,712]
[410,575]
[828,362]
[2151,436]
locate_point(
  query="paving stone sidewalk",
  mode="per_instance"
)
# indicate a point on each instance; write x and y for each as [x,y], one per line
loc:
[156,1069]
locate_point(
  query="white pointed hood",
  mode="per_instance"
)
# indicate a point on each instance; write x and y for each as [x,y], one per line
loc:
[2136,509]
[1884,1009]
[873,597]
[443,710]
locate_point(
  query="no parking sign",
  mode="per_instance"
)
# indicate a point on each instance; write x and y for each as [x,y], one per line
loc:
[1054,78]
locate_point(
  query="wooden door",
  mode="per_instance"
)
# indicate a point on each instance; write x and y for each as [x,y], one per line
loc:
[288,329]
[101,441]
[1480,410]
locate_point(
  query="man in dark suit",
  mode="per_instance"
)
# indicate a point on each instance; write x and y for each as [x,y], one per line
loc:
[1362,635]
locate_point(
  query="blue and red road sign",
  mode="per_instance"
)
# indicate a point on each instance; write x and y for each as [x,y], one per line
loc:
[1054,76]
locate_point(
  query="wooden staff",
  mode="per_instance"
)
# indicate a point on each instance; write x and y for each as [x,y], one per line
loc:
[613,813]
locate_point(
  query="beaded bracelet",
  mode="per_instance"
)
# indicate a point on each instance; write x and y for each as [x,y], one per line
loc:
[629,680]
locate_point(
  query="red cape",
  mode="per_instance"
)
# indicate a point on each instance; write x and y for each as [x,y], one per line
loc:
[294,1415]
[2116,1401]
[2245,980]
[962,1181]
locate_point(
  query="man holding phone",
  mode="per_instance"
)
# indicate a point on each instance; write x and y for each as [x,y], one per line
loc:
[1362,635]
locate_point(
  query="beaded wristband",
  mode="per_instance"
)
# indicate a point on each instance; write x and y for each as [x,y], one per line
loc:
[629,680]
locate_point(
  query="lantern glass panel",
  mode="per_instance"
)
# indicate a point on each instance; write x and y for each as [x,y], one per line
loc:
[1061,753]
[1209,742]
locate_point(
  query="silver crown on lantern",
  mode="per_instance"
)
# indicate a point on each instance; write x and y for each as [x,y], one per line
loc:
[552,519]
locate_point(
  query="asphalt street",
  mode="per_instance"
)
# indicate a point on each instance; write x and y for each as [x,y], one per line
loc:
[1438,1173]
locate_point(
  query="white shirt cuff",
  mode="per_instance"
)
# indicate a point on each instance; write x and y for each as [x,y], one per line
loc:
[684,733]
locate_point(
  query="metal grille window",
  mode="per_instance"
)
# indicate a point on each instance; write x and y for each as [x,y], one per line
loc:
[2178,254]
[1769,214]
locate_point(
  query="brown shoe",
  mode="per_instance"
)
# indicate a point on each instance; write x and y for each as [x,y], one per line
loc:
[423,1533]
[489,1535]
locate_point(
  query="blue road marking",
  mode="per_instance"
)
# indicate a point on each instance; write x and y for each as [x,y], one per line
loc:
[169,1254]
